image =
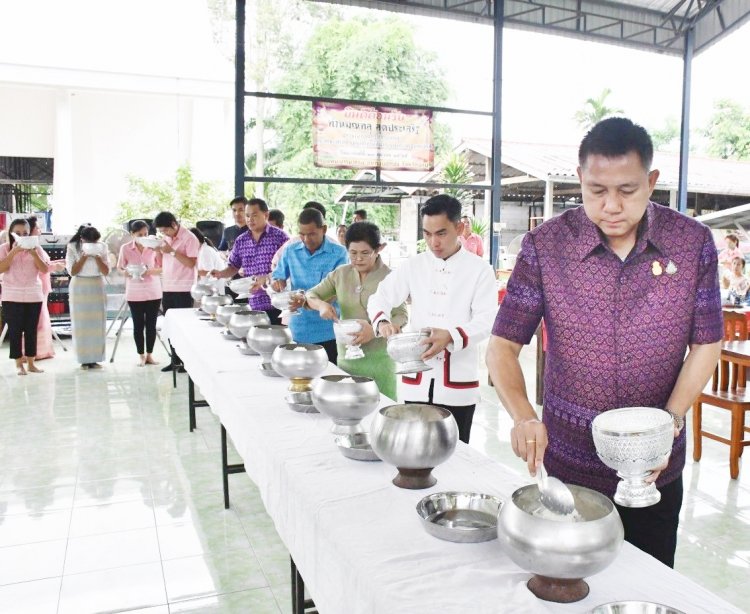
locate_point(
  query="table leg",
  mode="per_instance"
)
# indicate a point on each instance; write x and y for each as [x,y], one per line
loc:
[226,468]
[192,403]
[300,605]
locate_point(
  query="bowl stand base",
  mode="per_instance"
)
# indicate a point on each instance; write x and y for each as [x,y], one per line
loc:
[414,479]
[557,589]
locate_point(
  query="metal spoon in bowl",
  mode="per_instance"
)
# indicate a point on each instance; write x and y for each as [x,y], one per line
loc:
[554,495]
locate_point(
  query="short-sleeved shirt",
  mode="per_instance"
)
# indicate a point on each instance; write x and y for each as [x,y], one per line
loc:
[617,329]
[229,236]
[21,282]
[306,270]
[473,243]
[148,288]
[176,277]
[254,258]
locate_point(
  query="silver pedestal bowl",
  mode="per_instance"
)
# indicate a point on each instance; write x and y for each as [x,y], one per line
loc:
[560,551]
[264,339]
[199,290]
[241,322]
[634,441]
[345,399]
[283,301]
[406,350]
[211,303]
[415,438]
[225,312]
[344,330]
[301,363]
[136,271]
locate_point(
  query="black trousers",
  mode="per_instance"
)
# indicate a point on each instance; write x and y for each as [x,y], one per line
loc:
[464,414]
[175,300]
[331,349]
[144,315]
[654,529]
[274,315]
[22,320]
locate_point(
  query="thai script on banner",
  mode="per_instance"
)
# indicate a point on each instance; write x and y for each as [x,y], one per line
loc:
[361,136]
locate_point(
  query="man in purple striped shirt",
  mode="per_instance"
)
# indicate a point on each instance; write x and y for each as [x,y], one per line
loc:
[625,287]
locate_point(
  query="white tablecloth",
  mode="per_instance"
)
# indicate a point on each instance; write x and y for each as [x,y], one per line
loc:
[355,537]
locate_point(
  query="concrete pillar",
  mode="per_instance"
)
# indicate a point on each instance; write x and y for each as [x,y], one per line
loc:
[65,217]
[549,190]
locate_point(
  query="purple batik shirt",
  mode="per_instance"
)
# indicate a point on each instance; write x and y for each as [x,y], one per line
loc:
[254,258]
[617,330]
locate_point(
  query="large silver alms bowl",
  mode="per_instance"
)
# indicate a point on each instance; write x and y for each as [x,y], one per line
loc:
[242,320]
[210,304]
[225,312]
[199,290]
[560,552]
[406,350]
[299,360]
[415,438]
[264,339]
[346,400]
[634,441]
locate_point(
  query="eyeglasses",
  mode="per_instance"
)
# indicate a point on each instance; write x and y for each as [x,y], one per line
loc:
[360,255]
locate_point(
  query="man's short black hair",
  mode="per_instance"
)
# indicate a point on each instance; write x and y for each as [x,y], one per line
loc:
[164,219]
[276,216]
[312,204]
[311,216]
[614,137]
[443,204]
[361,213]
[363,231]
[258,202]
[238,199]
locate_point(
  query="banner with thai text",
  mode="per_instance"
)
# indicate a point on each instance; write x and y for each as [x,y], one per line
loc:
[361,136]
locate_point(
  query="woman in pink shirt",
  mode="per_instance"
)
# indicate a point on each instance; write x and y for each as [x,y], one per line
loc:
[143,292]
[22,294]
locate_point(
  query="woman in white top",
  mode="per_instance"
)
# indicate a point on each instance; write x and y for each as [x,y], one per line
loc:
[209,259]
[86,261]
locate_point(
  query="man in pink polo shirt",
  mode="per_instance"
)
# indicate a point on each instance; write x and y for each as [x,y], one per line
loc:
[179,257]
[471,241]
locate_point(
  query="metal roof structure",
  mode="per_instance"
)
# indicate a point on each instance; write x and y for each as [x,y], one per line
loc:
[655,25]
[736,217]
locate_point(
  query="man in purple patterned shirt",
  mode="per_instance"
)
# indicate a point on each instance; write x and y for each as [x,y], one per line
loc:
[253,251]
[625,287]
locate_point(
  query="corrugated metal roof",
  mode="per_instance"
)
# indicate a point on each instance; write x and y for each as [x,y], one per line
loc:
[656,25]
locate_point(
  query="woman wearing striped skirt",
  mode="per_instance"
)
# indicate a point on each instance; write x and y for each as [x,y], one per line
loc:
[86,261]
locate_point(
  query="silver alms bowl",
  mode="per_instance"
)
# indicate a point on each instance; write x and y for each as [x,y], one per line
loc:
[634,441]
[634,607]
[406,350]
[560,553]
[299,361]
[415,438]
[345,399]
[264,339]
[242,320]
[199,290]
[225,312]
[210,304]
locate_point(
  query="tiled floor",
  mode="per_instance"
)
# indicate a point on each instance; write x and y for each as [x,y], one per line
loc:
[108,503]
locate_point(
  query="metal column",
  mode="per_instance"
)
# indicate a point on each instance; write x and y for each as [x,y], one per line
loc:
[192,403]
[226,468]
[687,65]
[239,101]
[300,605]
[497,97]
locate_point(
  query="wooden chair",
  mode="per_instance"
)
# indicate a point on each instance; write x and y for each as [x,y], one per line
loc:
[727,391]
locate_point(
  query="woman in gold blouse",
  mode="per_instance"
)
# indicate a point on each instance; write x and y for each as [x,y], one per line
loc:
[352,285]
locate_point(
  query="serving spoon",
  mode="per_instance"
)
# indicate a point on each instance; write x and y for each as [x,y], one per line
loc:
[554,495]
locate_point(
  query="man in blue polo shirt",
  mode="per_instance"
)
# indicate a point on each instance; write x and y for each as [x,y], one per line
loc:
[305,264]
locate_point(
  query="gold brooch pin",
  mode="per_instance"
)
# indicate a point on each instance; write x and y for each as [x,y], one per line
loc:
[671,268]
[656,269]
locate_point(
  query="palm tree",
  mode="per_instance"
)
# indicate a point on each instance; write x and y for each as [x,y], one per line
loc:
[595,110]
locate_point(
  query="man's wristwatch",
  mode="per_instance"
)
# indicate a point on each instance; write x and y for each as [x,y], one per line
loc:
[679,421]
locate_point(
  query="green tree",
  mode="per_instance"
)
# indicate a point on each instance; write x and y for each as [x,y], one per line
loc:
[594,110]
[666,135]
[456,169]
[728,131]
[188,199]
[360,59]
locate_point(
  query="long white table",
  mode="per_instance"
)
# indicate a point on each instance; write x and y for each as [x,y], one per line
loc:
[355,537]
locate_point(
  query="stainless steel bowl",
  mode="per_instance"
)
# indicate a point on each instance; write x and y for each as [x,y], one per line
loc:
[245,349]
[282,300]
[199,290]
[264,339]
[300,402]
[210,304]
[406,349]
[225,312]
[356,446]
[634,441]
[242,286]
[136,271]
[464,517]
[634,607]
[415,438]
[242,320]
[299,360]
[560,553]
[345,399]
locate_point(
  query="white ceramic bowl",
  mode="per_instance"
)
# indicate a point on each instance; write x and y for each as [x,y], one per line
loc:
[150,242]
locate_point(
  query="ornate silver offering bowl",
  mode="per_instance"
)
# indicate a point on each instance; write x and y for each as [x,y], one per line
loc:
[283,301]
[136,271]
[343,330]
[210,303]
[199,290]
[415,438]
[634,441]
[560,550]
[300,362]
[405,349]
[345,399]
[243,320]
[241,287]
[264,339]
[225,312]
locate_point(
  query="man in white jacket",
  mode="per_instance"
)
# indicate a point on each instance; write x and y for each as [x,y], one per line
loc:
[453,293]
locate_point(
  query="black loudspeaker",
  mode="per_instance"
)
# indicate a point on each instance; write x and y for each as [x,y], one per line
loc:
[212,230]
[148,220]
